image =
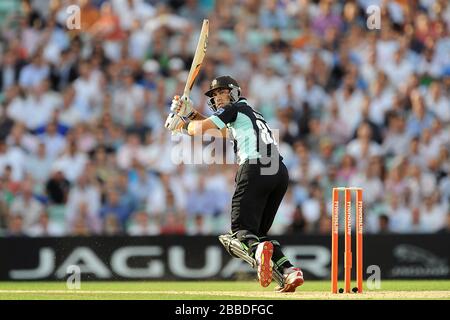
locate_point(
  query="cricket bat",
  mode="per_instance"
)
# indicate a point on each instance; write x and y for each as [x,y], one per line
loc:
[199,55]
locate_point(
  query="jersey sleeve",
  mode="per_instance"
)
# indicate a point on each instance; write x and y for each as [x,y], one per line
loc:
[224,116]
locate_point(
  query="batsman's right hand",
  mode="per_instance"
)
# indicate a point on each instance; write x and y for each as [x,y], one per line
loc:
[182,107]
[174,122]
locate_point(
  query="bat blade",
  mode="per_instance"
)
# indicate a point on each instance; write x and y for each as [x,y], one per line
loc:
[199,55]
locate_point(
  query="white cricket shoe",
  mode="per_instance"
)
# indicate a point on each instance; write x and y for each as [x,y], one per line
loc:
[293,279]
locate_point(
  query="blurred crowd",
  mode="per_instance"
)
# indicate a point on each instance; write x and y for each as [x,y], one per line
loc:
[83,149]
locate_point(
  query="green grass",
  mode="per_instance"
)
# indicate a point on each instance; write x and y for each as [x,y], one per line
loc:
[215,290]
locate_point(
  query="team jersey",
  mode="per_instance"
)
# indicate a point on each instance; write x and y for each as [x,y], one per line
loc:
[252,137]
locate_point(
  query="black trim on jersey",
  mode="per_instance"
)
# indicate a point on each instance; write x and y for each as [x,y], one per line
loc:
[247,110]
[227,114]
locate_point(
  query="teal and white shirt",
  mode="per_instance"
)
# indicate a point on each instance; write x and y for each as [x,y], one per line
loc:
[253,139]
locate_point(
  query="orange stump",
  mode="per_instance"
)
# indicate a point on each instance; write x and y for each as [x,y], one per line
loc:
[334,240]
[348,241]
[359,239]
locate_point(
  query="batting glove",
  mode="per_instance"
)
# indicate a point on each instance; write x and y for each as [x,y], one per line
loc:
[183,107]
[175,123]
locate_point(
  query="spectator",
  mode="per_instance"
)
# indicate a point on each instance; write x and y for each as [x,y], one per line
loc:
[399,68]
[107,28]
[400,217]
[64,70]
[396,140]
[128,198]
[25,204]
[349,103]
[413,152]
[273,86]
[35,72]
[311,209]
[21,138]
[86,87]
[104,162]
[173,224]
[84,196]
[45,228]
[334,124]
[4,208]
[82,215]
[139,126]
[429,147]
[6,123]
[365,119]
[371,181]
[15,226]
[325,225]
[434,215]
[131,151]
[130,10]
[69,114]
[299,224]
[198,225]
[446,228]
[437,103]
[201,200]
[383,224]
[10,68]
[57,187]
[420,184]
[272,16]
[37,109]
[127,99]
[284,217]
[139,183]
[166,196]
[141,225]
[80,227]
[314,95]
[71,162]
[309,168]
[39,166]
[363,147]
[112,225]
[347,169]
[54,142]
[114,206]
[420,118]
[10,186]
[83,134]
[14,158]
[326,19]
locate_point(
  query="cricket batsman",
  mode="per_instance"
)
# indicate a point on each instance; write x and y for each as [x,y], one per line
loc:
[261,180]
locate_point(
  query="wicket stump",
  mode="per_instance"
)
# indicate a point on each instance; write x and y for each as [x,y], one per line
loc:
[348,239]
